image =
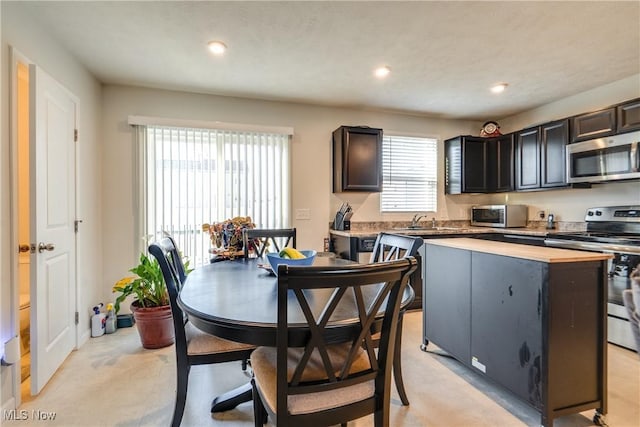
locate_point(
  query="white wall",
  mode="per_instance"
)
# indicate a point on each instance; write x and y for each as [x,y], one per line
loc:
[311,157]
[24,34]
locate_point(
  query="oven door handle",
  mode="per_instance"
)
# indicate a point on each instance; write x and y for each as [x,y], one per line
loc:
[596,247]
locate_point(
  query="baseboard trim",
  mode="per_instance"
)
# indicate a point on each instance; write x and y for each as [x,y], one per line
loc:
[84,337]
[9,404]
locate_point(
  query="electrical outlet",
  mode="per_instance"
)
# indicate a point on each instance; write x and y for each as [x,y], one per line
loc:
[303,213]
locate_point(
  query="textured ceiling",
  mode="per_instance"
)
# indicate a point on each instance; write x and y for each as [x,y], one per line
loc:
[444,56]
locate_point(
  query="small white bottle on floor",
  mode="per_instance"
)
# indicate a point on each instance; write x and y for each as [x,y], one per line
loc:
[98,322]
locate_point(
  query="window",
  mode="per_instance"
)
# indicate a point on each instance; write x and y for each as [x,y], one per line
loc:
[188,177]
[409,174]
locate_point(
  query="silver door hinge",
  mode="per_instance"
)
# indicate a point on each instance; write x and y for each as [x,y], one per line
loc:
[75,135]
[76,223]
[77,317]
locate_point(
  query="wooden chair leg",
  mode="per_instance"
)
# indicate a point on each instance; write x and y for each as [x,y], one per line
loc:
[181,395]
[397,363]
[259,412]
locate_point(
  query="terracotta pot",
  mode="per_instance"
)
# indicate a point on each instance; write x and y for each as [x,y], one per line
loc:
[155,325]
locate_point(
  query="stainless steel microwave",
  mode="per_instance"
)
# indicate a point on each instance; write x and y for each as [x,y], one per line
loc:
[604,159]
[502,216]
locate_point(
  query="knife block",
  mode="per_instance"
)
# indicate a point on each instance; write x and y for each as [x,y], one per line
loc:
[341,222]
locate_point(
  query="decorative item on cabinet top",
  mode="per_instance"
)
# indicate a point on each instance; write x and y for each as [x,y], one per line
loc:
[489,129]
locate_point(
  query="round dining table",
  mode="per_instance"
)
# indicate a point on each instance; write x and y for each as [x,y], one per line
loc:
[237,300]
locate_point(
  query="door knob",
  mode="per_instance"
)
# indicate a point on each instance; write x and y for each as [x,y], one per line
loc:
[24,248]
[45,247]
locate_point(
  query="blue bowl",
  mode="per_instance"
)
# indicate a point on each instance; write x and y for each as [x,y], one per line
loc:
[275,260]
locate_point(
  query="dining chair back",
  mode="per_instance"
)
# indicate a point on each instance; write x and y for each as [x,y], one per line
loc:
[394,246]
[325,370]
[192,346]
[263,240]
[390,247]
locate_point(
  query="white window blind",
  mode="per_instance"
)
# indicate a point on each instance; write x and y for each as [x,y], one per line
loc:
[409,174]
[193,176]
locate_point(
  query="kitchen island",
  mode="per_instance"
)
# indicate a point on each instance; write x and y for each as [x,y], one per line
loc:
[532,319]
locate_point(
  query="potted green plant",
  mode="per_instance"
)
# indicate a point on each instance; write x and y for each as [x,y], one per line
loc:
[150,308]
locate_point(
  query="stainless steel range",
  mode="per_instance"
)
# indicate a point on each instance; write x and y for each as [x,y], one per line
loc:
[616,230]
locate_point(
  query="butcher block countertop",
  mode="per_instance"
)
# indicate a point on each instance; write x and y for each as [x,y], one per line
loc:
[535,253]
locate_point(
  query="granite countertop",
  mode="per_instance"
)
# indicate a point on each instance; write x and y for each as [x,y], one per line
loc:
[535,253]
[534,228]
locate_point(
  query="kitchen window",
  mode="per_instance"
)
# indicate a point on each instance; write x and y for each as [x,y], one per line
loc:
[409,174]
[191,176]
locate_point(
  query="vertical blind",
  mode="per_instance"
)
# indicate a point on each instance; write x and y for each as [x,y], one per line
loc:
[409,174]
[188,177]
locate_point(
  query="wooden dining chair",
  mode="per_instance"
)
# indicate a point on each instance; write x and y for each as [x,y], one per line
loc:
[263,240]
[323,371]
[391,247]
[193,347]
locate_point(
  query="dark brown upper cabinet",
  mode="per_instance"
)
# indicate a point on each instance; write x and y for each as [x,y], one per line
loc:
[628,116]
[478,165]
[541,156]
[593,125]
[357,159]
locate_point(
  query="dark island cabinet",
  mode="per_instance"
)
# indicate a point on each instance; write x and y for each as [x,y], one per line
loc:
[448,296]
[536,328]
[628,116]
[478,165]
[357,159]
[541,156]
[510,289]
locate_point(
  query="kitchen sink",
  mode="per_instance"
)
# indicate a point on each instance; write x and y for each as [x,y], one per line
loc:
[420,228]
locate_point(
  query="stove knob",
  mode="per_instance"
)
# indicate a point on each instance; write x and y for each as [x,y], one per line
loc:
[590,213]
[598,213]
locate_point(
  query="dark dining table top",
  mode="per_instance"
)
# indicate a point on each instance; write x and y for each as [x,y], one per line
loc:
[237,300]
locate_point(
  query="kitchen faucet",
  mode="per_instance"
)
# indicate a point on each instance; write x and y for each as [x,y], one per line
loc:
[416,218]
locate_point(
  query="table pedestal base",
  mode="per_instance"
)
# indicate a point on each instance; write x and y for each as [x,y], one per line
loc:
[232,398]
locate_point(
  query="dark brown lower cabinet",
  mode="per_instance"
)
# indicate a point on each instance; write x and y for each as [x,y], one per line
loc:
[537,329]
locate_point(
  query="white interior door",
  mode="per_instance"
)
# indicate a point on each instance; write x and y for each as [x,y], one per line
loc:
[53,269]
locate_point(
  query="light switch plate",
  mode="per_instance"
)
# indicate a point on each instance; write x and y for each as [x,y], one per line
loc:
[303,213]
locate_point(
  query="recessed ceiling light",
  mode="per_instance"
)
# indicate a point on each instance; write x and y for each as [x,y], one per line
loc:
[217,47]
[382,72]
[499,88]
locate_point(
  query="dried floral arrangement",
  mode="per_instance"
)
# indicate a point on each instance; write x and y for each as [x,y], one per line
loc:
[226,236]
